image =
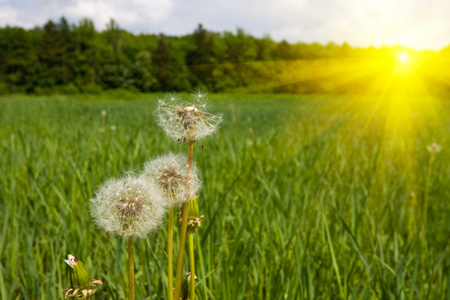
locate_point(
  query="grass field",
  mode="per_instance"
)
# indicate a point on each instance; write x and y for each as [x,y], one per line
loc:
[304,197]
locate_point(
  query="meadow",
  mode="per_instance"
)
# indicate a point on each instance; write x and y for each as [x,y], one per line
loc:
[304,196]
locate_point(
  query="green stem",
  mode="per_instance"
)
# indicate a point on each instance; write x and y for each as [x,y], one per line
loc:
[202,265]
[425,201]
[130,269]
[184,216]
[170,254]
[192,264]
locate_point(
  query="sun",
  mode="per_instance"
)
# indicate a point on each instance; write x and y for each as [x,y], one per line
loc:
[403,57]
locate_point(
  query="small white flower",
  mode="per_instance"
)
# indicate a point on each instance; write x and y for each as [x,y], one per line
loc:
[169,172]
[103,112]
[186,120]
[130,207]
[113,127]
[434,148]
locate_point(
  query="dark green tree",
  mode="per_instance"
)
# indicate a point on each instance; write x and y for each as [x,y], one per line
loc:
[67,51]
[143,76]
[200,58]
[112,35]
[161,65]
[54,52]
[87,50]
[17,60]
[284,51]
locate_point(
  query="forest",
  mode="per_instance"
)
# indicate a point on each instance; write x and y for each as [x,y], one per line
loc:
[65,58]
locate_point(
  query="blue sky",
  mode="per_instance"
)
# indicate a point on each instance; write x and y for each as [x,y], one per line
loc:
[422,24]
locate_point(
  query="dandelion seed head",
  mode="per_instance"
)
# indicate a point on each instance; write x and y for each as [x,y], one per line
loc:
[186,120]
[130,207]
[169,172]
[434,148]
[103,112]
[170,179]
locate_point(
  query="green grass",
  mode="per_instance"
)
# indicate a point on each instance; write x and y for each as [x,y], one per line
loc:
[304,197]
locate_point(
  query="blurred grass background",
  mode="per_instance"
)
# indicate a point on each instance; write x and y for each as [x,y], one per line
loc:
[304,197]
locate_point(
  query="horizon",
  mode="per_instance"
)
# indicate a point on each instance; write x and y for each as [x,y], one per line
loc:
[339,44]
[357,23]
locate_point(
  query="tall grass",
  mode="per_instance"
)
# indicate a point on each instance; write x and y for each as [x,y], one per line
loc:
[304,197]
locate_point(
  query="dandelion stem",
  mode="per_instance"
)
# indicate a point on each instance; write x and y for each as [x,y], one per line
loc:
[130,269]
[170,254]
[180,261]
[192,264]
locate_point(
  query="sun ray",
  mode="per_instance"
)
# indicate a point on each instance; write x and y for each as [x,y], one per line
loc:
[390,91]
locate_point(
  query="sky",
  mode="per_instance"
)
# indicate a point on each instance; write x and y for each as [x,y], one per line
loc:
[419,24]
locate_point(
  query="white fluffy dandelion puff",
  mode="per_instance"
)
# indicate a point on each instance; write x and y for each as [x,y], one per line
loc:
[169,172]
[130,207]
[434,148]
[186,121]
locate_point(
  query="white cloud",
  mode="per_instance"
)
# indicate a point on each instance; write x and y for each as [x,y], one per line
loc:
[414,23]
[8,15]
[133,15]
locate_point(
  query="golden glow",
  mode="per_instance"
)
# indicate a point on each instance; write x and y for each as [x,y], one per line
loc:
[391,89]
[403,57]
[405,63]
[381,72]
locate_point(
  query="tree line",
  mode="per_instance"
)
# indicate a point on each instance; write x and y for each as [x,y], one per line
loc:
[76,58]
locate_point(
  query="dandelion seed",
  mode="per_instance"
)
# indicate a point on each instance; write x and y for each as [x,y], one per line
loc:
[434,148]
[169,172]
[130,207]
[186,121]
